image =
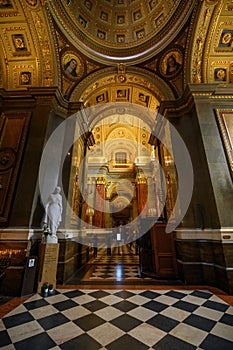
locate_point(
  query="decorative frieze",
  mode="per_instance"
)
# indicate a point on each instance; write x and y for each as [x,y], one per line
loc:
[45,48]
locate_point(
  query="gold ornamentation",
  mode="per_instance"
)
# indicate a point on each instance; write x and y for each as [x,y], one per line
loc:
[137,77]
[91,66]
[101,98]
[25,78]
[45,46]
[203,25]
[5,4]
[19,42]
[153,4]
[121,68]
[23,74]
[101,180]
[220,74]
[211,2]
[32,2]
[231,73]
[114,33]
[226,38]
[225,122]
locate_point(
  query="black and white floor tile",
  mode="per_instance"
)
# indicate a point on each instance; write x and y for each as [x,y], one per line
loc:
[112,268]
[122,255]
[120,319]
[116,273]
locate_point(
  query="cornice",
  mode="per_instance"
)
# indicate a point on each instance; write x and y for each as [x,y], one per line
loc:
[28,98]
[196,92]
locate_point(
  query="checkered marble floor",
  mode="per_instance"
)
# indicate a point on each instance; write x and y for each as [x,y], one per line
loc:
[115,267]
[120,319]
[125,257]
[116,273]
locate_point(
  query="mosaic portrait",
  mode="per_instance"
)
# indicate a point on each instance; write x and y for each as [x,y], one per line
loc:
[71,65]
[171,63]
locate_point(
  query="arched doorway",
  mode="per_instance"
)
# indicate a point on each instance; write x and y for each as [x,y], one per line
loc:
[120,173]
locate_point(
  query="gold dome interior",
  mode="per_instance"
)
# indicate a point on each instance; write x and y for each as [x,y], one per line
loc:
[122,22]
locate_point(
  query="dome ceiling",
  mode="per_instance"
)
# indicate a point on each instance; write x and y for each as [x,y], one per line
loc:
[121,22]
[121,30]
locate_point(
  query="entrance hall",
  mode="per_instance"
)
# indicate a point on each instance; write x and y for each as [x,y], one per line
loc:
[116,168]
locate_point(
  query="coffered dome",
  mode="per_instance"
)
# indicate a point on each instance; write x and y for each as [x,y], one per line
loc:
[121,30]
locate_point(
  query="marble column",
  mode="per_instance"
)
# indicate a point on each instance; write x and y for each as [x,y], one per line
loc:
[100,202]
[142,194]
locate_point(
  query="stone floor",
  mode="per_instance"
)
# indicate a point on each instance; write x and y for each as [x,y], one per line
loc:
[121,267]
[120,319]
[109,305]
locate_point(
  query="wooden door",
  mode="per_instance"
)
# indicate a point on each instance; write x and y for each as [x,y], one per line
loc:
[157,252]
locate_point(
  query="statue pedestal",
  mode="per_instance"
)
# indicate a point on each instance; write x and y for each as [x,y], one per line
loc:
[48,260]
[49,239]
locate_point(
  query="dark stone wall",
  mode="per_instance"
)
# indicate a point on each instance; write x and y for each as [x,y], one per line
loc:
[44,109]
[206,262]
[72,256]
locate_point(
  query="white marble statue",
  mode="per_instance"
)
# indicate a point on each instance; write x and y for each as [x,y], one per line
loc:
[53,215]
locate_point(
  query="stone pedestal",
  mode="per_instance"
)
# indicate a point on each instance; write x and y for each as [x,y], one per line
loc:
[49,239]
[48,260]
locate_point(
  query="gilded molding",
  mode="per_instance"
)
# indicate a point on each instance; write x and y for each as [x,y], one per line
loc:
[10,14]
[211,59]
[141,180]
[45,48]
[108,77]
[8,31]
[91,66]
[101,181]
[199,41]
[1,75]
[222,97]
